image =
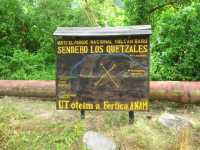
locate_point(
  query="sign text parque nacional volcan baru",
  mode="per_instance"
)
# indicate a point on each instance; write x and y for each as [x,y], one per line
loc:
[102,68]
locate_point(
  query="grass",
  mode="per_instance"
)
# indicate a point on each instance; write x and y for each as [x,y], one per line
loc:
[33,124]
[52,136]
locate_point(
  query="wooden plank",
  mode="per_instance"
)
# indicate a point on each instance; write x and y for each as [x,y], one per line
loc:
[103,31]
[175,91]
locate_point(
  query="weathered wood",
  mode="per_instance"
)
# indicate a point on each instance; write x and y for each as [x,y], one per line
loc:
[28,88]
[82,114]
[102,68]
[106,31]
[131,117]
[175,91]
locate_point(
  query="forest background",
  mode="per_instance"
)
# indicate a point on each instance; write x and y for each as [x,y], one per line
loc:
[27,45]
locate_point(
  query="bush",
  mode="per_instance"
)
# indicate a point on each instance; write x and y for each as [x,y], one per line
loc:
[176,45]
[25,65]
[137,12]
[26,43]
[12,24]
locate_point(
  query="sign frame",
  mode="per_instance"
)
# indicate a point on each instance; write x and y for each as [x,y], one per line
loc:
[103,32]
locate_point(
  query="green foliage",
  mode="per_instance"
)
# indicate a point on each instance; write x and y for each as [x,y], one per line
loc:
[26,28]
[12,23]
[116,120]
[22,129]
[176,45]
[137,12]
[26,65]
[4,135]
[11,113]
[103,12]
[54,136]
[7,114]
[26,46]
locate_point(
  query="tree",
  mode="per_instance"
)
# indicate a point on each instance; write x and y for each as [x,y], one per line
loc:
[176,45]
[137,12]
[140,12]
[13,23]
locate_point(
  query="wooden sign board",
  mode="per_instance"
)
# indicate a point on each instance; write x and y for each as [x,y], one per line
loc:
[102,68]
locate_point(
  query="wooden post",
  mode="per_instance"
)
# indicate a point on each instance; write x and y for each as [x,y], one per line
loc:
[82,114]
[131,117]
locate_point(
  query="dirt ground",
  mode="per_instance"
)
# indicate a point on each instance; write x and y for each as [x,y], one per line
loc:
[27,123]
